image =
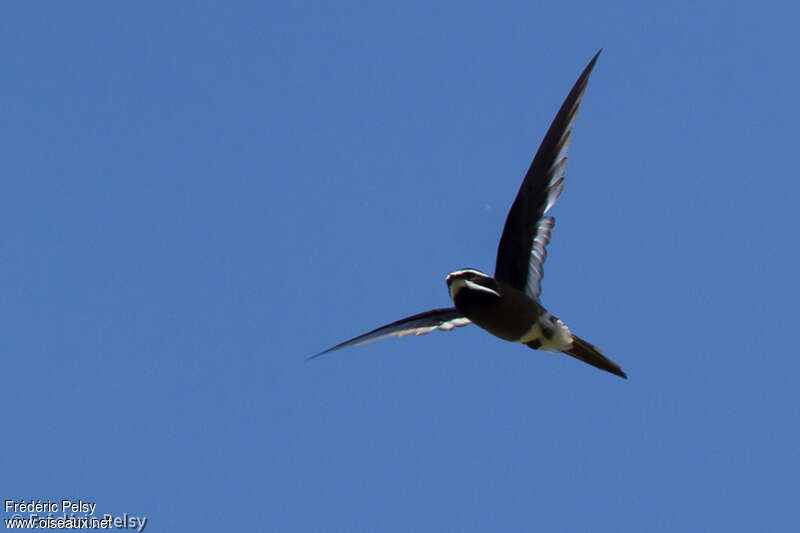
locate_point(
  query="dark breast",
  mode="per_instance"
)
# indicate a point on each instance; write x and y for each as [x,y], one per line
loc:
[509,317]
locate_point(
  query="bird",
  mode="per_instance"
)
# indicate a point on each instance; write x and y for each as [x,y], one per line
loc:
[507,304]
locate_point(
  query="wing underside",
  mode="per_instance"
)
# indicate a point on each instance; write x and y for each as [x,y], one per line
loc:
[521,251]
[443,319]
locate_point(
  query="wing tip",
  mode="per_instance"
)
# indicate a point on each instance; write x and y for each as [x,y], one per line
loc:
[310,357]
[594,59]
[344,344]
[588,70]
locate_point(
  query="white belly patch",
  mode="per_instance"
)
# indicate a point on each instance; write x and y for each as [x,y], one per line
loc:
[560,340]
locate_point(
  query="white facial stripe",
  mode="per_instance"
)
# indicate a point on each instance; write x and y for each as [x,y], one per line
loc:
[460,283]
[474,286]
[465,271]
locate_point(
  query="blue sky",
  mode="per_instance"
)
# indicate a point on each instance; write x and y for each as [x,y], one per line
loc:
[200,195]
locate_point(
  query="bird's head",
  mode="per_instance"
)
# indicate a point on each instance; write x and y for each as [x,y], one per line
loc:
[473,280]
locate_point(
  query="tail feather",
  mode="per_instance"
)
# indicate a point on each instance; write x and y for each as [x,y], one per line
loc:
[589,354]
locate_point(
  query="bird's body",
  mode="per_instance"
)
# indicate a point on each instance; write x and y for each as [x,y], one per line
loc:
[500,309]
[507,304]
[515,316]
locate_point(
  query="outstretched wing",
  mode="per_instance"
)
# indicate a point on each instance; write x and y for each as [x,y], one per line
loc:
[443,319]
[527,231]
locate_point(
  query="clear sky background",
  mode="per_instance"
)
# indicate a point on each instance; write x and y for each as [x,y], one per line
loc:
[197,196]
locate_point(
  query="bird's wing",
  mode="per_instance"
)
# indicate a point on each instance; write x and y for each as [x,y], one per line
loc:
[443,319]
[521,251]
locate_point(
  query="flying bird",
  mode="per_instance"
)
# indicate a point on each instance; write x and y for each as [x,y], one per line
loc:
[507,304]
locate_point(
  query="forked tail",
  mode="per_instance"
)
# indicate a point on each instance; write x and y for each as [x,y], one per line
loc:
[589,354]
